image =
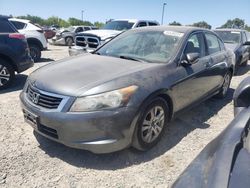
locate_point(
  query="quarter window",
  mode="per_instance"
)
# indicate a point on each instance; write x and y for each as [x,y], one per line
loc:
[212,43]
[195,44]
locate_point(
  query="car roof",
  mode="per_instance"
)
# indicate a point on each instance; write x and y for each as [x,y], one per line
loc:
[4,17]
[135,20]
[228,29]
[181,29]
[19,20]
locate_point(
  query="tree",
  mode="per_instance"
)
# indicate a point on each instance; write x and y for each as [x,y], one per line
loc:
[202,24]
[175,23]
[98,24]
[74,21]
[34,19]
[235,23]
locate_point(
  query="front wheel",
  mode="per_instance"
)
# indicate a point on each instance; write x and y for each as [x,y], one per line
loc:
[151,124]
[7,74]
[225,86]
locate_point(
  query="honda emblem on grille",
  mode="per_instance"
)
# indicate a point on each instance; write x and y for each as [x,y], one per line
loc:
[35,98]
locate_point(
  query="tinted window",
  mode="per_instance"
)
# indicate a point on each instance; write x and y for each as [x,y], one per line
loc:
[118,25]
[212,43]
[142,24]
[5,27]
[195,44]
[79,29]
[152,23]
[18,25]
[86,28]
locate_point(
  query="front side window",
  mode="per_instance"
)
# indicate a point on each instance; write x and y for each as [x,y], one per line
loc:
[212,43]
[142,24]
[79,29]
[149,46]
[195,44]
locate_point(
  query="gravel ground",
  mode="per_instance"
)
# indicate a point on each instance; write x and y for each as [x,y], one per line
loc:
[29,160]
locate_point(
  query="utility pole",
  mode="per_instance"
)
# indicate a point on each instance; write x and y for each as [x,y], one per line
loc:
[163,9]
[82,14]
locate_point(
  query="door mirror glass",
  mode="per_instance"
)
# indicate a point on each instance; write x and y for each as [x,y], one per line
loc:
[247,43]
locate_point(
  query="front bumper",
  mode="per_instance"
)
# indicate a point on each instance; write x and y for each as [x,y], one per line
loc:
[55,41]
[99,132]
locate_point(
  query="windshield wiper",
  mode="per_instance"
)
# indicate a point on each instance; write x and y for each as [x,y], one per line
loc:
[130,58]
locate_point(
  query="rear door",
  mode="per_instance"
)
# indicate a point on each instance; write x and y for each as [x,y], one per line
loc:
[217,66]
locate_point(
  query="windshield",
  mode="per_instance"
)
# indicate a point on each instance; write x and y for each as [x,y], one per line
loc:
[118,25]
[149,46]
[229,36]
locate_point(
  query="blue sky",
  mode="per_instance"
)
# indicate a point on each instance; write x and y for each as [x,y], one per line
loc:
[215,12]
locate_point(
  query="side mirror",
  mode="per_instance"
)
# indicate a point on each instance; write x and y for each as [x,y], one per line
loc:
[247,43]
[191,58]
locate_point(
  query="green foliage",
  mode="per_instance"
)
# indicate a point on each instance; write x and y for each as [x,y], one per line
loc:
[235,23]
[202,24]
[175,23]
[54,20]
[98,24]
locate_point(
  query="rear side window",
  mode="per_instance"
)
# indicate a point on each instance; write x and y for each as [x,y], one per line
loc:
[86,28]
[212,43]
[152,23]
[18,25]
[5,27]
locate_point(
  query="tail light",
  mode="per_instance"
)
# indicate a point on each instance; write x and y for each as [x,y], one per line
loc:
[17,36]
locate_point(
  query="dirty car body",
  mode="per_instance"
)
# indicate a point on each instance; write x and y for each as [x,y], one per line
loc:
[224,162]
[78,101]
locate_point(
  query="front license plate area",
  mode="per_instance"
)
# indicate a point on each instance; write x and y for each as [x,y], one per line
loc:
[30,118]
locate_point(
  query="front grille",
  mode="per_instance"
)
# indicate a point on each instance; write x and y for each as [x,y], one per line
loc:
[40,99]
[87,41]
[48,131]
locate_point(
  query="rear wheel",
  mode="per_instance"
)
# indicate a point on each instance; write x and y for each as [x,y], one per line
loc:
[151,124]
[7,74]
[35,52]
[225,86]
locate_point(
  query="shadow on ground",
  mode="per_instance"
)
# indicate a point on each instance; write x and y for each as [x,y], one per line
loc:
[177,130]
[17,85]
[44,60]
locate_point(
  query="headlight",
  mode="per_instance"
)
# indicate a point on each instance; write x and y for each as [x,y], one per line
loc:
[112,99]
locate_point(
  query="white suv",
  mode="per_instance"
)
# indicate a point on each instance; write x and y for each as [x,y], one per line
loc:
[92,39]
[34,35]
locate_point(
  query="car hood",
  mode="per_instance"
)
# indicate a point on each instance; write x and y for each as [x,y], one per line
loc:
[232,47]
[102,33]
[74,76]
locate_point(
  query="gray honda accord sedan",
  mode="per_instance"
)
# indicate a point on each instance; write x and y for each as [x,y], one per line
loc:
[126,92]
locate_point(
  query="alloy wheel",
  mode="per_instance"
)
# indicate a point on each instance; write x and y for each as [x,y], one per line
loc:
[4,75]
[152,124]
[226,84]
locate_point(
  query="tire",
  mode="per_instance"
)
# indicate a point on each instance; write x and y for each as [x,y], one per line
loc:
[35,52]
[225,86]
[7,74]
[69,41]
[151,124]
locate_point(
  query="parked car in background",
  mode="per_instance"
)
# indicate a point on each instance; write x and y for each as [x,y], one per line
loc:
[125,93]
[225,161]
[14,53]
[48,32]
[67,36]
[90,40]
[238,42]
[34,35]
